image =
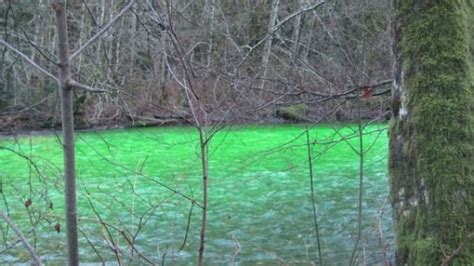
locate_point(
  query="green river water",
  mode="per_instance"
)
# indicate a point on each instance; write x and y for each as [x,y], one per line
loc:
[259,212]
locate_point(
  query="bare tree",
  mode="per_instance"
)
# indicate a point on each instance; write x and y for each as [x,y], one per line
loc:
[66,85]
[174,69]
[68,132]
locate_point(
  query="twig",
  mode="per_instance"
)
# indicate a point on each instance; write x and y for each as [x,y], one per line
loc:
[105,158]
[104,29]
[236,248]
[27,158]
[458,250]
[187,226]
[29,60]
[92,246]
[130,242]
[142,223]
[313,201]
[26,108]
[37,48]
[90,12]
[114,247]
[34,256]
[382,237]
[12,245]
[361,182]
[278,26]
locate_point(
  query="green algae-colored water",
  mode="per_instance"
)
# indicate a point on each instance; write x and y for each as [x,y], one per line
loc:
[137,183]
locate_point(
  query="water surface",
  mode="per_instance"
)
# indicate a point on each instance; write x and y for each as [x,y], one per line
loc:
[137,183]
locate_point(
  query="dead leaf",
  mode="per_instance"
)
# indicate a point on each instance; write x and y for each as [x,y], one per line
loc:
[28,203]
[57,227]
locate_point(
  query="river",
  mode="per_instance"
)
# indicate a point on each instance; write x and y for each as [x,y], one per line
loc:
[134,185]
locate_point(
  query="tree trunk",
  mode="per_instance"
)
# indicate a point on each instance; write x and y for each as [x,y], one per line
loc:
[431,135]
[203,141]
[68,132]
[212,11]
[297,29]
[267,48]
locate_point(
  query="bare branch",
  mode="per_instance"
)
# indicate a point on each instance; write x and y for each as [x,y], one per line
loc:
[102,31]
[23,239]
[26,108]
[313,198]
[187,227]
[37,48]
[278,26]
[92,246]
[29,60]
[81,86]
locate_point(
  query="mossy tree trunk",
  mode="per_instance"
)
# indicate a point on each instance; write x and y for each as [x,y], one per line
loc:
[431,160]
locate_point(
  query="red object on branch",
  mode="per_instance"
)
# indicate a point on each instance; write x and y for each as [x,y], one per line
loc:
[366,93]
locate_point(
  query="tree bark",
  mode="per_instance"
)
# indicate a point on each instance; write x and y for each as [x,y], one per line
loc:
[267,47]
[297,29]
[203,141]
[431,134]
[68,132]
[212,11]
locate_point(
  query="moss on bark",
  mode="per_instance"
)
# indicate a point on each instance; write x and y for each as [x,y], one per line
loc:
[431,142]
